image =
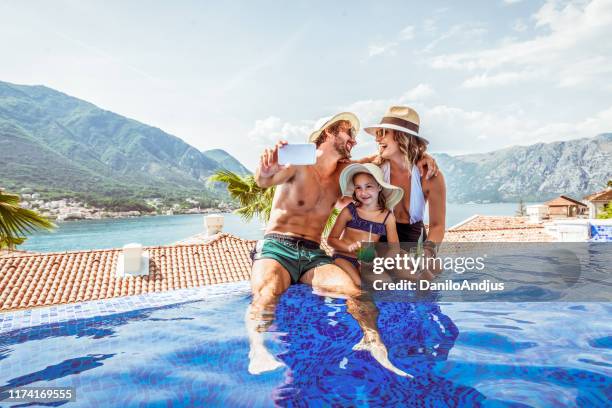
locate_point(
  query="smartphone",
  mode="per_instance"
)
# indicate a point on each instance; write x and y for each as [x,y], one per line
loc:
[299,154]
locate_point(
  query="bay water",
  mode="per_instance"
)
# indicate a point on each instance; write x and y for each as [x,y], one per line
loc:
[164,230]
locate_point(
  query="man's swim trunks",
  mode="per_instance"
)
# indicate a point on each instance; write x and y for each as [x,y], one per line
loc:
[296,255]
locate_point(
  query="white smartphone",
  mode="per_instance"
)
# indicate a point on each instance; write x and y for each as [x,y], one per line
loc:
[299,154]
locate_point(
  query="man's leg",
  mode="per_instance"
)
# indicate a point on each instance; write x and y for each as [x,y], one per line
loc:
[269,280]
[331,280]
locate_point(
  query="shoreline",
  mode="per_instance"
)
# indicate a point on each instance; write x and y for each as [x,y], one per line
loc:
[131,214]
[106,215]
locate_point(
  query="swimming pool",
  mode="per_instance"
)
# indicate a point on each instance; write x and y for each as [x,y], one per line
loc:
[195,354]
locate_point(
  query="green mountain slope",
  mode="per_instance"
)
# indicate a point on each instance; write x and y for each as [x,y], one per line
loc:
[56,143]
[226,161]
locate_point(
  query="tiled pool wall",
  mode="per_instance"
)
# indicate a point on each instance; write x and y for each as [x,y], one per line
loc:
[601,231]
[21,319]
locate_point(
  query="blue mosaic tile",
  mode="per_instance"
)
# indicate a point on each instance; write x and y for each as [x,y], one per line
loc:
[21,319]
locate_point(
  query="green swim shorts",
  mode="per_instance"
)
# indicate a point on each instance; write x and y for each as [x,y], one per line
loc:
[296,255]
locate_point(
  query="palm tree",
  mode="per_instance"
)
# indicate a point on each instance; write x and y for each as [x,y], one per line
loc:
[16,222]
[255,200]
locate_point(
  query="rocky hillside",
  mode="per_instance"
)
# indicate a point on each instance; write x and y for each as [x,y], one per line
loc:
[533,173]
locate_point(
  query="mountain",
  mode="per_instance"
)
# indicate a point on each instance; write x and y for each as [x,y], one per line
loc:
[226,161]
[52,142]
[532,173]
[59,145]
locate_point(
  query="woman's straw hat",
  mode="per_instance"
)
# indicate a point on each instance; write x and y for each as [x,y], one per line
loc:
[325,122]
[402,118]
[393,194]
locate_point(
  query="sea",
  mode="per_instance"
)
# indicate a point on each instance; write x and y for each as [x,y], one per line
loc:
[168,229]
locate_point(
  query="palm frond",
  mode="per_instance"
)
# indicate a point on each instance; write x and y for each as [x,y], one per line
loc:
[331,221]
[254,200]
[16,222]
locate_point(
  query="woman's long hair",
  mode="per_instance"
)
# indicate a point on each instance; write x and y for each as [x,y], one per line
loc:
[411,146]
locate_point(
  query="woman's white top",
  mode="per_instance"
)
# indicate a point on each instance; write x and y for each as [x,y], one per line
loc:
[417,198]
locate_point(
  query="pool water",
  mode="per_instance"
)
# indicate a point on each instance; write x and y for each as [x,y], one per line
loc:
[196,354]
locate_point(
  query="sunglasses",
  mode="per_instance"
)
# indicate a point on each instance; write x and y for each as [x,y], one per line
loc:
[352,133]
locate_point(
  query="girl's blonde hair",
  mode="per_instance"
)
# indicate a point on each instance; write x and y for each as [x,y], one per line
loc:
[382,200]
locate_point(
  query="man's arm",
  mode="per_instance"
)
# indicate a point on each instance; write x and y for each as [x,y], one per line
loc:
[367,159]
[269,173]
[427,164]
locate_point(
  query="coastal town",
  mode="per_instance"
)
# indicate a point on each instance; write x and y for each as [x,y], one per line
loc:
[70,209]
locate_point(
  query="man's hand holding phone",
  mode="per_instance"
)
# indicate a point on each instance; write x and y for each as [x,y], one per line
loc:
[297,154]
[279,164]
[268,162]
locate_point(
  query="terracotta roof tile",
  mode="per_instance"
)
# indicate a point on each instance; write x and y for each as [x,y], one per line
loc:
[605,195]
[563,201]
[494,222]
[483,228]
[30,280]
[501,235]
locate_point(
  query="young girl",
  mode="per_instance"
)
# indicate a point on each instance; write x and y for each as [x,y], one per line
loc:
[367,218]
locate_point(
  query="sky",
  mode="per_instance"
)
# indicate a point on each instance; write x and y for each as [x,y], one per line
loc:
[240,75]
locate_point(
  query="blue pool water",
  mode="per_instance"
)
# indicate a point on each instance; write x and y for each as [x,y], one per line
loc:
[196,354]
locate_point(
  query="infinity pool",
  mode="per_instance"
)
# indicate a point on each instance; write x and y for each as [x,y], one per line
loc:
[196,354]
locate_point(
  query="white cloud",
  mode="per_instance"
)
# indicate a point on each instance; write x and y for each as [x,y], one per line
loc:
[421,91]
[382,49]
[512,1]
[390,48]
[450,129]
[430,25]
[576,33]
[462,33]
[407,33]
[457,130]
[267,132]
[519,26]
[499,79]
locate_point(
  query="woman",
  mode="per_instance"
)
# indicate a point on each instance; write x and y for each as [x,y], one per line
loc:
[400,147]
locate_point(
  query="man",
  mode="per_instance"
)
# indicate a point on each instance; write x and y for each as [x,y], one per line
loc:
[290,252]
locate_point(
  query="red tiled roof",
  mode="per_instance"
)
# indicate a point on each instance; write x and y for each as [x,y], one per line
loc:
[605,195]
[493,222]
[32,280]
[484,228]
[563,201]
[501,235]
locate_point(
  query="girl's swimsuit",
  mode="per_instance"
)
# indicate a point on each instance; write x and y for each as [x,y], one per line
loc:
[358,223]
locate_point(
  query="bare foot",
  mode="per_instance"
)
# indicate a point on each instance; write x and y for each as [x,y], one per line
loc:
[261,360]
[378,350]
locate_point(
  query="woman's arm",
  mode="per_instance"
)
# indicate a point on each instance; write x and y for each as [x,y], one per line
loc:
[333,240]
[435,194]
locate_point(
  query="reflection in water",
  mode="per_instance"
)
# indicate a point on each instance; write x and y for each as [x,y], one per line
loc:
[317,347]
[195,354]
[62,369]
